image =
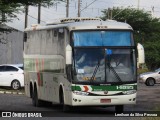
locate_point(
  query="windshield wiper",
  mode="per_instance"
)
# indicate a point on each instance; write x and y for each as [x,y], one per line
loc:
[113,70]
[95,71]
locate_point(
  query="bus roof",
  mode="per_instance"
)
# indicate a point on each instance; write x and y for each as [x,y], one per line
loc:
[74,24]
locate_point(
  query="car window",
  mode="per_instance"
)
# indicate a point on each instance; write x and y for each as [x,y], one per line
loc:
[10,68]
[2,68]
[21,68]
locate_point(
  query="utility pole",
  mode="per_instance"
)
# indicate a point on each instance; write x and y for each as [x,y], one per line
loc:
[111,14]
[67,9]
[152,11]
[79,6]
[108,13]
[25,24]
[138,4]
[3,16]
[39,13]
[26,16]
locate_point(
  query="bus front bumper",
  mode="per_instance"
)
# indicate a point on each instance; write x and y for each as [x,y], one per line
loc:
[82,100]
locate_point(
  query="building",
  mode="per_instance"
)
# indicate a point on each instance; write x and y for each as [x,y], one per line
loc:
[11,46]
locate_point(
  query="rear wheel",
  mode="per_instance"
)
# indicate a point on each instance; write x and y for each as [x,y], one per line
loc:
[35,101]
[150,82]
[15,85]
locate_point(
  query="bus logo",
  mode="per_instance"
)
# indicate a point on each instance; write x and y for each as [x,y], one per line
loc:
[105,92]
[125,87]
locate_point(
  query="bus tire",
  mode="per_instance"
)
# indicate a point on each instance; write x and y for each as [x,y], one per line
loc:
[119,108]
[65,108]
[31,90]
[35,101]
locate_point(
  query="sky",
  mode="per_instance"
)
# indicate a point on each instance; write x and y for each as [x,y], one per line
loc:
[93,10]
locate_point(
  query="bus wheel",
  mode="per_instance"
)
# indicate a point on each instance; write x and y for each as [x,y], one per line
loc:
[66,108]
[35,101]
[119,108]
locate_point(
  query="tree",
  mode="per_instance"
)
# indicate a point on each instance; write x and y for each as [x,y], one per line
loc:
[44,3]
[7,11]
[10,8]
[146,31]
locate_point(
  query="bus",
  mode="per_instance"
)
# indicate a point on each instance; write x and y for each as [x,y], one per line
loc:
[81,62]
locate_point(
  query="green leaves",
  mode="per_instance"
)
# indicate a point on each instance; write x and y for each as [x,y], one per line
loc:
[45,3]
[10,8]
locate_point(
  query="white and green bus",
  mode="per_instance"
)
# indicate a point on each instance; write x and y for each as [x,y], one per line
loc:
[81,62]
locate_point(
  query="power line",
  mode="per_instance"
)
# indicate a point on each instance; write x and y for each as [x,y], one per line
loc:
[98,9]
[36,18]
[88,5]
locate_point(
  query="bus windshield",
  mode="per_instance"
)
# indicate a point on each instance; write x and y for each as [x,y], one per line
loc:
[103,38]
[98,57]
[97,66]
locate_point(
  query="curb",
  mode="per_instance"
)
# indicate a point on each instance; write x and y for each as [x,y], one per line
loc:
[9,92]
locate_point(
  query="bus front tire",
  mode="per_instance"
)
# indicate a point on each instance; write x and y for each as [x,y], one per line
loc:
[119,108]
[65,108]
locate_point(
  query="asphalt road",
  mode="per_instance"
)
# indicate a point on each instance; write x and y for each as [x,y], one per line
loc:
[148,98]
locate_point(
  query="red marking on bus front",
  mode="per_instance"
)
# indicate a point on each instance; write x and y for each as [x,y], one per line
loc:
[86,88]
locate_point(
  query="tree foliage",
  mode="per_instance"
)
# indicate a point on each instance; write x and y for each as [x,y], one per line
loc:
[146,31]
[7,11]
[45,3]
[10,8]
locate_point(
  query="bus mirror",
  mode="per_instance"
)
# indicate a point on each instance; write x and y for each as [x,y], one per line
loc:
[68,55]
[141,56]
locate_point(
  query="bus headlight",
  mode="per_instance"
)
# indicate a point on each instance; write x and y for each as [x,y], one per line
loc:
[80,93]
[129,92]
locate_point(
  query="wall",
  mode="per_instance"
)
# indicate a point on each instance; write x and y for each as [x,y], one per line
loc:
[11,52]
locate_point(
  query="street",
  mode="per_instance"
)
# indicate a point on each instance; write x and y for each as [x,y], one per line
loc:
[148,98]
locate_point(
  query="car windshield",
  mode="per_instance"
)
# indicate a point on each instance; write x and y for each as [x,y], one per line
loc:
[104,65]
[157,70]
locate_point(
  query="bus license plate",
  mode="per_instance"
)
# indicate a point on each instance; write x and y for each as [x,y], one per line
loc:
[105,100]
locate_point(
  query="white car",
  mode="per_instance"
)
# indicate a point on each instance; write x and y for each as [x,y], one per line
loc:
[11,76]
[150,78]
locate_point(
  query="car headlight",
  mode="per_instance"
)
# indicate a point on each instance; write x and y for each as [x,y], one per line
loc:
[80,93]
[129,92]
[141,76]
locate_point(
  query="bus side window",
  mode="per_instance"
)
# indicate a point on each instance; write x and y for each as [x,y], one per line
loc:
[55,33]
[61,42]
[25,37]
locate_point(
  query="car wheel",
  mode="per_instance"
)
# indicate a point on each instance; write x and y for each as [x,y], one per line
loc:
[15,85]
[150,82]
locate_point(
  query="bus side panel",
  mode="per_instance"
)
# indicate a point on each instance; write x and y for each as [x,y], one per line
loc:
[45,62]
[27,84]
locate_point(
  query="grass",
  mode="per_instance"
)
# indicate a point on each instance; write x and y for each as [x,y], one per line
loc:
[8,89]
[140,71]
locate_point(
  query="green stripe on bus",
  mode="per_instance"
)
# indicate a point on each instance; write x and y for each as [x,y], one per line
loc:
[78,88]
[114,88]
[107,88]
